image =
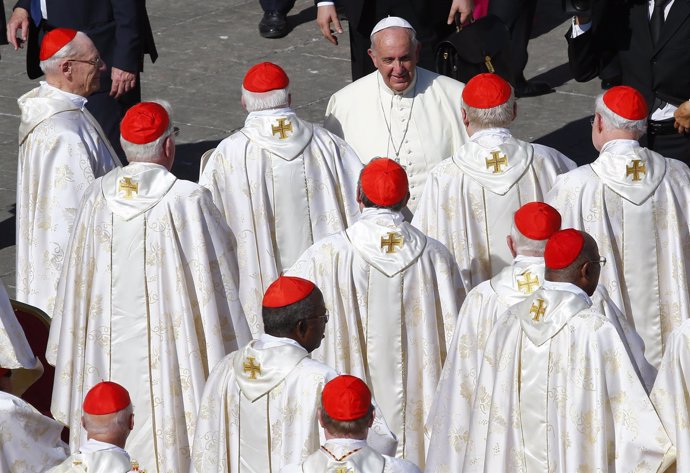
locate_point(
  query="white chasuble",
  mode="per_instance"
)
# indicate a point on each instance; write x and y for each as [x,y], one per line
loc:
[393,295]
[62,149]
[556,392]
[636,205]
[97,457]
[418,128]
[29,441]
[149,299]
[282,184]
[470,198]
[259,409]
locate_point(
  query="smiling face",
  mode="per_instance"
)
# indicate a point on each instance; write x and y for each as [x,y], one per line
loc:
[395,56]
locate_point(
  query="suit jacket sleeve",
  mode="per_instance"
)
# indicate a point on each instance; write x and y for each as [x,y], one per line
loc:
[25,4]
[128,53]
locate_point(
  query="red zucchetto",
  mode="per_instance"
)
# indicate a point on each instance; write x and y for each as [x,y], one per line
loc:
[384,182]
[563,248]
[346,398]
[265,77]
[537,220]
[287,290]
[106,398]
[486,91]
[626,102]
[55,40]
[144,123]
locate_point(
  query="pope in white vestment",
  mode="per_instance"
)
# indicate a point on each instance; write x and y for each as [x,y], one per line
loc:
[636,204]
[281,182]
[556,391]
[399,111]
[149,297]
[62,149]
[394,295]
[470,198]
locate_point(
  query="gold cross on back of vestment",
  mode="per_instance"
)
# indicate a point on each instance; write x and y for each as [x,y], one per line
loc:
[637,168]
[282,128]
[128,187]
[496,161]
[528,283]
[251,367]
[390,241]
[538,309]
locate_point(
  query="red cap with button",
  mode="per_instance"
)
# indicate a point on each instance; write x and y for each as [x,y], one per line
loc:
[626,102]
[563,248]
[106,398]
[287,290]
[265,77]
[537,220]
[486,91]
[346,398]
[55,40]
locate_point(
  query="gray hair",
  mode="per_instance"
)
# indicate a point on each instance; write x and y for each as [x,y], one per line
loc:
[258,101]
[149,152]
[526,246]
[495,117]
[412,33]
[613,121]
[71,49]
[115,423]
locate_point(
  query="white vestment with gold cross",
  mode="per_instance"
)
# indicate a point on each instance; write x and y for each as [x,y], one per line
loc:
[636,205]
[148,299]
[556,392]
[282,184]
[470,198]
[259,410]
[62,149]
[418,127]
[393,295]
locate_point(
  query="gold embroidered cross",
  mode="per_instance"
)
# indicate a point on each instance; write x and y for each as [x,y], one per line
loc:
[251,368]
[342,469]
[282,128]
[527,282]
[637,168]
[538,309]
[128,187]
[391,241]
[497,161]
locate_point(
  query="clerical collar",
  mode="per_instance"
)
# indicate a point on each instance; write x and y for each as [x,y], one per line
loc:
[620,146]
[493,132]
[522,259]
[375,212]
[269,341]
[566,286]
[410,88]
[93,445]
[352,443]
[271,112]
[77,100]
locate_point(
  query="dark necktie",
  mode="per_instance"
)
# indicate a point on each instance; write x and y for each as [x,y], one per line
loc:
[657,21]
[36,14]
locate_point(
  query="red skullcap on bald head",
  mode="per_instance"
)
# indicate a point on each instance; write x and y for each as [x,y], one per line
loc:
[486,91]
[626,102]
[563,248]
[384,182]
[287,290]
[144,123]
[55,40]
[537,220]
[346,398]
[265,77]
[106,398]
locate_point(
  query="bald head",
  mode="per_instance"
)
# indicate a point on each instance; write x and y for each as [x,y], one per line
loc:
[584,271]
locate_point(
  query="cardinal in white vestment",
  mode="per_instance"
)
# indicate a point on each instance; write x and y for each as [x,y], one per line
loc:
[533,224]
[62,149]
[400,110]
[636,204]
[556,391]
[470,198]
[394,295]
[281,182]
[346,414]
[29,441]
[149,297]
[108,418]
[259,408]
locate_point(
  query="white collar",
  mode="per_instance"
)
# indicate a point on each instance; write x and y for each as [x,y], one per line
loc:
[566,286]
[490,132]
[620,146]
[77,100]
[382,85]
[373,212]
[269,341]
[529,259]
[271,112]
[353,443]
[93,445]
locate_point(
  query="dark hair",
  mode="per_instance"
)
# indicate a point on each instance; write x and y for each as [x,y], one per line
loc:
[280,321]
[346,427]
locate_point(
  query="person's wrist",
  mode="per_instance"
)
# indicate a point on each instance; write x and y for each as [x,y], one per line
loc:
[581,20]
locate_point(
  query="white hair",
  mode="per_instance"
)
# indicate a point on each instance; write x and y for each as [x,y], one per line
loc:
[495,117]
[116,423]
[613,121]
[412,33]
[258,101]
[149,152]
[526,246]
[71,49]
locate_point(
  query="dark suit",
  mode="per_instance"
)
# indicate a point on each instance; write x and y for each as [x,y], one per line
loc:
[518,16]
[658,71]
[121,31]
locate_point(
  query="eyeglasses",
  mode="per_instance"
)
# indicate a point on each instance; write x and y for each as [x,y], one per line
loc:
[94,62]
[601,261]
[324,316]
[176,131]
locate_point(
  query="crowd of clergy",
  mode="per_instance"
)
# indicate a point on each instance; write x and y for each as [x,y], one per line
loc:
[406,288]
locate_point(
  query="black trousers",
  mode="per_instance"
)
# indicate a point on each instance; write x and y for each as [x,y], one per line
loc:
[518,16]
[282,6]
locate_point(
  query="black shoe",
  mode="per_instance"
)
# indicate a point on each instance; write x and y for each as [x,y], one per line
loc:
[532,89]
[273,25]
[606,84]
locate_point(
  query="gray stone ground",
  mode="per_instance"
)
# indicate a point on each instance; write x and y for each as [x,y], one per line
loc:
[205,49]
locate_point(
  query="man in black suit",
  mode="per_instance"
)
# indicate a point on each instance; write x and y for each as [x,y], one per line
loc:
[650,39]
[431,19]
[121,31]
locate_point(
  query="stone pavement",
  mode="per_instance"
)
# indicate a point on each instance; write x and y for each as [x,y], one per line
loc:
[206,47]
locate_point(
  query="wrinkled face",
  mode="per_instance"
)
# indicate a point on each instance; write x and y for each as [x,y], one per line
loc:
[395,57]
[86,68]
